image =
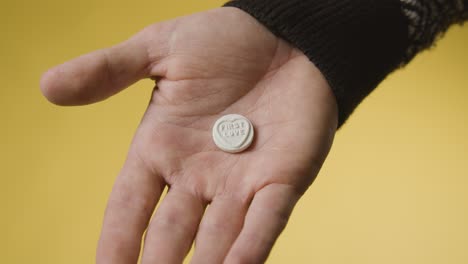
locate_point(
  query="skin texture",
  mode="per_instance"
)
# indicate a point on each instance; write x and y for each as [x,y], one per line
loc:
[232,206]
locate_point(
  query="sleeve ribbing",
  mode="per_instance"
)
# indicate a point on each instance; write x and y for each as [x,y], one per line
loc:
[429,19]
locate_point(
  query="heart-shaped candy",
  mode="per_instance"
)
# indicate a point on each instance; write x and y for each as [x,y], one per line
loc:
[233,133]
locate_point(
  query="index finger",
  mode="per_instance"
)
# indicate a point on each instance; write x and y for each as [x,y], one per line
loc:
[134,196]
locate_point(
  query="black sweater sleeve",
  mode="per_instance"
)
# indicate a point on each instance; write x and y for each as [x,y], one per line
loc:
[356,43]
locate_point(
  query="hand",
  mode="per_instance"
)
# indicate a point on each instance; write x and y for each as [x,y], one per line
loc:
[206,65]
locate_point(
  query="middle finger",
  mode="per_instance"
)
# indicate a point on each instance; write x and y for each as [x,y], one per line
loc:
[218,229]
[172,229]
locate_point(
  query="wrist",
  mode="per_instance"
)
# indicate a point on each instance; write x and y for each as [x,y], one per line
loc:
[355,44]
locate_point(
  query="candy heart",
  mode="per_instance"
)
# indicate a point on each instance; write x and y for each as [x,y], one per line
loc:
[233,133]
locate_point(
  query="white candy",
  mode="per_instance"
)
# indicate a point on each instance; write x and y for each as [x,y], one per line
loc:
[233,133]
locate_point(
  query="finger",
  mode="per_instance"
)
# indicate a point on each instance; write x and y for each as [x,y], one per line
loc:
[103,73]
[131,203]
[172,229]
[265,220]
[218,229]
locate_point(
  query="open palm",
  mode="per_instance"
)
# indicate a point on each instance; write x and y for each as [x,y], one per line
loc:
[233,206]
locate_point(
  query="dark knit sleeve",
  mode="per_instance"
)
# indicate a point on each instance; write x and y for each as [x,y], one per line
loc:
[354,43]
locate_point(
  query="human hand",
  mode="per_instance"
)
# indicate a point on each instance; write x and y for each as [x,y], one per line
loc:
[206,65]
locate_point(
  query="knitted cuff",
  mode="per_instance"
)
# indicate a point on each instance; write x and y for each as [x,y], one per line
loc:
[354,43]
[429,19]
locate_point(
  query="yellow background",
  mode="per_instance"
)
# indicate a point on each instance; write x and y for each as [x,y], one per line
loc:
[394,189]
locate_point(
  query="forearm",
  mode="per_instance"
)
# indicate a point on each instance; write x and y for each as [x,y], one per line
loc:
[356,43]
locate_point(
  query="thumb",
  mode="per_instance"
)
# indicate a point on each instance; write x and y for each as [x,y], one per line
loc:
[98,75]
